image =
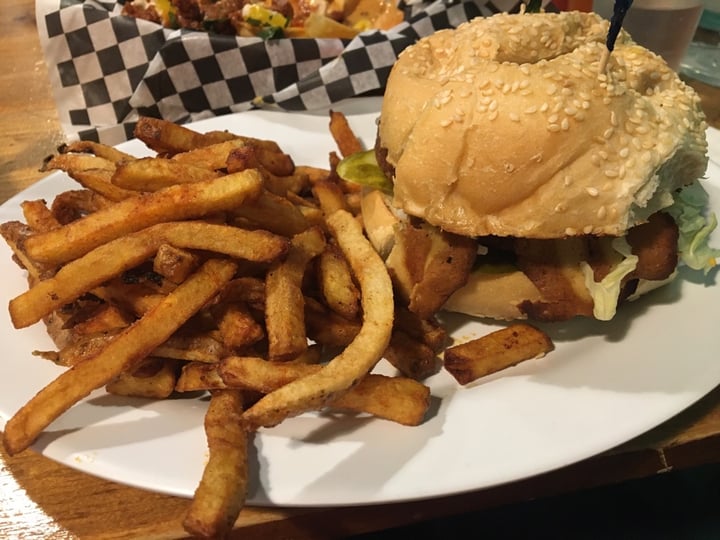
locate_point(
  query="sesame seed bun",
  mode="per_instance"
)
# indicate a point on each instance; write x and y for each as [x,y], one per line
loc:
[507,126]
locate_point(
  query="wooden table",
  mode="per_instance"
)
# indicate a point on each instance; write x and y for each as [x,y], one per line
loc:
[39,497]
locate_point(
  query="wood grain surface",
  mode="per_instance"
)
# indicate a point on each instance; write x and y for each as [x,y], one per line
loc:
[42,499]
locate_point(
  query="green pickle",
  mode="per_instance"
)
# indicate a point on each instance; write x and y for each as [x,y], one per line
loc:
[362,168]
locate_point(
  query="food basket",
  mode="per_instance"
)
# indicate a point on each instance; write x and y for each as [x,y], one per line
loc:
[106,69]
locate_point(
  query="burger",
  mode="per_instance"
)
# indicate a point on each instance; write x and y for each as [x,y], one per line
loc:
[526,175]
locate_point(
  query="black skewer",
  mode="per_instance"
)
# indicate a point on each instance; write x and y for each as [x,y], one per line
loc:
[620,9]
[533,6]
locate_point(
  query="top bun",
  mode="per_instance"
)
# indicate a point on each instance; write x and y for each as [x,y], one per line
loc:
[509,126]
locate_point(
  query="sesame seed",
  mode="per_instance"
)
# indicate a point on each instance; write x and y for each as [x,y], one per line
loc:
[565,124]
[514,117]
[569,231]
[553,128]
[445,122]
[493,115]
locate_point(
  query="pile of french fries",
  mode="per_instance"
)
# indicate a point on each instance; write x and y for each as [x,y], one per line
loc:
[219,265]
[216,265]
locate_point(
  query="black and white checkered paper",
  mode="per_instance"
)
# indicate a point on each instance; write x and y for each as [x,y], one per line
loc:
[107,69]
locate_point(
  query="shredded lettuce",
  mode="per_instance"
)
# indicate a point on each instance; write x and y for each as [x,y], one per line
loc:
[605,293]
[695,228]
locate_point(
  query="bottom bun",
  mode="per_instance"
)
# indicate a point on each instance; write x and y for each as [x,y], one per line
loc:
[495,295]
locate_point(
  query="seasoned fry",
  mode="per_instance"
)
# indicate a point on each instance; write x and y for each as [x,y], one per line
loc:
[168,138]
[15,233]
[154,378]
[223,487]
[197,376]
[336,283]
[496,351]
[397,399]
[284,312]
[238,327]
[193,348]
[344,137]
[254,156]
[175,202]
[113,258]
[153,174]
[71,205]
[275,214]
[361,355]
[121,354]
[330,196]
[104,318]
[98,149]
[91,172]
[174,263]
[411,357]
[38,216]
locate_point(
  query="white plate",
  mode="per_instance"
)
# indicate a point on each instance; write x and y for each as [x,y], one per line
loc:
[604,384]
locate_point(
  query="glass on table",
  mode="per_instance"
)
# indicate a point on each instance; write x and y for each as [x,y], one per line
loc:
[666,27]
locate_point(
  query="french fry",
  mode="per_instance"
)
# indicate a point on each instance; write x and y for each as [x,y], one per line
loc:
[91,172]
[255,156]
[201,348]
[411,357]
[284,312]
[343,371]
[174,263]
[169,138]
[38,216]
[121,354]
[113,258]
[196,376]
[326,327]
[136,298]
[496,351]
[105,318]
[275,214]
[238,328]
[72,205]
[346,140]
[397,399]
[98,149]
[314,174]
[153,174]
[175,202]
[15,233]
[336,283]
[248,290]
[222,490]
[154,378]
[330,196]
